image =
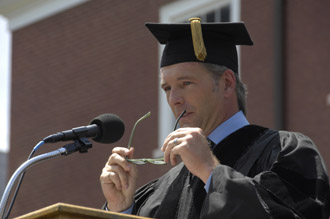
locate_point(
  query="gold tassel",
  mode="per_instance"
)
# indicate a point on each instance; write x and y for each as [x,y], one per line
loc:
[197,37]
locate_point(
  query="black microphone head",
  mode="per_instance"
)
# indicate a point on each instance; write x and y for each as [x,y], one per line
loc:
[112,128]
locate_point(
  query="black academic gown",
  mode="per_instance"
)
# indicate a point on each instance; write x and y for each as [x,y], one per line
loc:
[263,174]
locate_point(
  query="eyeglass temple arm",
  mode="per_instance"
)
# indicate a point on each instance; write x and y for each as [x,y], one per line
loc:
[178,119]
[133,130]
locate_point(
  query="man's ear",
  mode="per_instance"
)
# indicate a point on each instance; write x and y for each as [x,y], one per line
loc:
[229,78]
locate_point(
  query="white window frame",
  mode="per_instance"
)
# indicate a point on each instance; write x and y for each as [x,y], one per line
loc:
[177,12]
[5,82]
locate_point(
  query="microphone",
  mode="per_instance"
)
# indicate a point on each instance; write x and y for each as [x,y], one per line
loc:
[105,128]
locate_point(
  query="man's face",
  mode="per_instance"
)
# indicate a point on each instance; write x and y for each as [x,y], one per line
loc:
[189,86]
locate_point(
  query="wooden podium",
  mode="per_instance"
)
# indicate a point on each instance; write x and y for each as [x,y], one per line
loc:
[66,211]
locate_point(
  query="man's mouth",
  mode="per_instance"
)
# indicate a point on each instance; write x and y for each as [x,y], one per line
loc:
[181,114]
[187,114]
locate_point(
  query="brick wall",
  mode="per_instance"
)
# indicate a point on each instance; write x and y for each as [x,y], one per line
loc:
[257,61]
[93,59]
[306,80]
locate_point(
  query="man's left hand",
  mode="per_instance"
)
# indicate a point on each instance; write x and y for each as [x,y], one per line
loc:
[193,148]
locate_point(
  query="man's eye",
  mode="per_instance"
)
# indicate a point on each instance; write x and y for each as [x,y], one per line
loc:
[166,88]
[187,83]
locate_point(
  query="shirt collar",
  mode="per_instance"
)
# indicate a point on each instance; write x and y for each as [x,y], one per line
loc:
[231,125]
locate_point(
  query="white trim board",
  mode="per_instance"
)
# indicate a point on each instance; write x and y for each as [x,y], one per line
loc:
[21,13]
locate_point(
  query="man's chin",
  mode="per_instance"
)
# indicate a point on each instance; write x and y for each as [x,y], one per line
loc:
[188,125]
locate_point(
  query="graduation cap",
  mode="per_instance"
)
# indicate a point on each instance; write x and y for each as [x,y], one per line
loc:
[201,42]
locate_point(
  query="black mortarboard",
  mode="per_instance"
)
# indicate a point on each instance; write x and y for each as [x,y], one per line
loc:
[220,41]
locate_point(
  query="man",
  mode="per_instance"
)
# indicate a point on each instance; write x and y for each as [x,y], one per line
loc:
[248,171]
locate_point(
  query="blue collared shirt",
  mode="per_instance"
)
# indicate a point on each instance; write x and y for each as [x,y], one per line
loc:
[231,125]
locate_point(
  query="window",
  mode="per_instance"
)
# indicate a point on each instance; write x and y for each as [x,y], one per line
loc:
[181,11]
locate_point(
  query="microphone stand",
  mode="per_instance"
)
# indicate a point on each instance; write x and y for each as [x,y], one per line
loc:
[81,144]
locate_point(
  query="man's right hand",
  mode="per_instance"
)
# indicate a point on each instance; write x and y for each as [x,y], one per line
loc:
[118,179]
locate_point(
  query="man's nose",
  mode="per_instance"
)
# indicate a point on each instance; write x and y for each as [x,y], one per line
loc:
[175,98]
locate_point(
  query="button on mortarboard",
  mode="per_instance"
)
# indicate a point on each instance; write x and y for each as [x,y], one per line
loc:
[220,41]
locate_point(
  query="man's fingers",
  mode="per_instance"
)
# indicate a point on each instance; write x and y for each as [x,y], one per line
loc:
[108,177]
[117,159]
[114,178]
[123,176]
[121,150]
[179,133]
[118,179]
[131,153]
[116,175]
[167,152]
[173,157]
[117,168]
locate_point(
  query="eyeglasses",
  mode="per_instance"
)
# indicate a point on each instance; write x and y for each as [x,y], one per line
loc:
[141,161]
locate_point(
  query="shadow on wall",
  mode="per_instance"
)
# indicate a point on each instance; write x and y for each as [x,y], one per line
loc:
[3,171]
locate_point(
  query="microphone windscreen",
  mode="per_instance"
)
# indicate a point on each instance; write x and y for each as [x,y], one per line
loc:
[111,127]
